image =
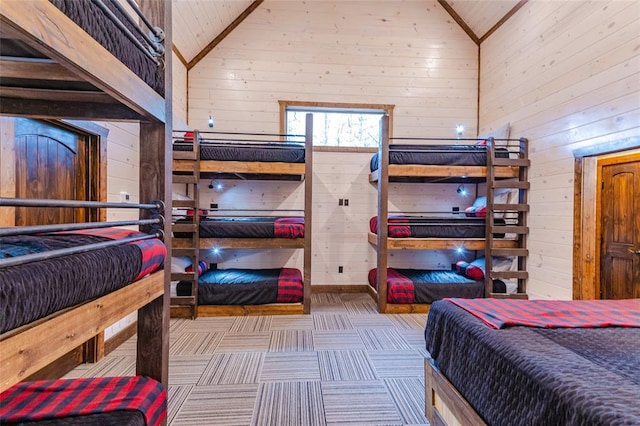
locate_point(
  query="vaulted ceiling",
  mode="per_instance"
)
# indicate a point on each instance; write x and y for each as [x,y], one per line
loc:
[199,25]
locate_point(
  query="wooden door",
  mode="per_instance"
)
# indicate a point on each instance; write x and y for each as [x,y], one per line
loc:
[620,218]
[51,163]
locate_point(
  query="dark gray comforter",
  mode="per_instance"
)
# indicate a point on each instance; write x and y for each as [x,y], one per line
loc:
[531,376]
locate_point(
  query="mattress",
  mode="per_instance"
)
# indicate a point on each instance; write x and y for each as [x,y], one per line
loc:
[404,226]
[536,376]
[439,155]
[88,16]
[37,289]
[248,227]
[246,286]
[285,152]
[110,401]
[406,286]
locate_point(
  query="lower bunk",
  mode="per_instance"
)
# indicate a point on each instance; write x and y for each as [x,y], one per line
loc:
[246,292]
[105,401]
[505,362]
[413,290]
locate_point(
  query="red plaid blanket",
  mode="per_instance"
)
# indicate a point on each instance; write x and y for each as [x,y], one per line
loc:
[51,399]
[398,226]
[290,286]
[153,250]
[501,313]
[289,227]
[400,289]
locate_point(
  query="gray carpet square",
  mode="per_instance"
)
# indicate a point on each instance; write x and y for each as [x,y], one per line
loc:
[408,395]
[232,369]
[194,343]
[288,367]
[359,403]
[345,365]
[344,340]
[187,369]
[392,364]
[176,396]
[331,322]
[251,324]
[291,404]
[222,405]
[291,341]
[247,342]
[369,320]
[383,340]
[292,322]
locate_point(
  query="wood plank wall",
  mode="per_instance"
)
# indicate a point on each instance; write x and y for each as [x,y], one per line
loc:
[410,54]
[566,75]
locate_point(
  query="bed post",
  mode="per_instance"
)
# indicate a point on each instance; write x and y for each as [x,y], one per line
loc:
[383,214]
[308,207]
[155,184]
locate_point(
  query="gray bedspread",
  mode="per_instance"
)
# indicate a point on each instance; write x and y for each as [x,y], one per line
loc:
[532,376]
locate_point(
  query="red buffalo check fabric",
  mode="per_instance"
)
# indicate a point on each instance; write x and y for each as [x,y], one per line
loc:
[290,286]
[289,227]
[398,226]
[51,399]
[501,313]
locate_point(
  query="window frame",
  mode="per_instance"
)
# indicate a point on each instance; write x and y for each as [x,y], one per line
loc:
[387,108]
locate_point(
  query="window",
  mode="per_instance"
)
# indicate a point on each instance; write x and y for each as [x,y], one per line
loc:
[336,126]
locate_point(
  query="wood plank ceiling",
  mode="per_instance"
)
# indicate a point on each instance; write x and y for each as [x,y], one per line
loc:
[199,25]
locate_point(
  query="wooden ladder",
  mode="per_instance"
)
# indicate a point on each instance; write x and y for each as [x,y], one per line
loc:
[515,216]
[191,180]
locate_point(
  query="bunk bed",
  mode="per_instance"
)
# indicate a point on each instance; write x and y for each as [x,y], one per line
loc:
[57,66]
[504,362]
[248,156]
[504,170]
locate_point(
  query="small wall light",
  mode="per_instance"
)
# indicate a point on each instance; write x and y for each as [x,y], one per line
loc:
[461,190]
[459,129]
[210,121]
[216,185]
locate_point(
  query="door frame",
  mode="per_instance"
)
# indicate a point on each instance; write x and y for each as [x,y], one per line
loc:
[587,212]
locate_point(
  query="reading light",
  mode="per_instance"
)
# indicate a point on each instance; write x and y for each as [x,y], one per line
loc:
[459,250]
[215,251]
[459,129]
[216,185]
[210,122]
[461,189]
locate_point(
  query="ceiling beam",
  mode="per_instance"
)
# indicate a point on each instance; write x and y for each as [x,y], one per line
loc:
[180,56]
[47,109]
[460,21]
[34,69]
[208,48]
[504,19]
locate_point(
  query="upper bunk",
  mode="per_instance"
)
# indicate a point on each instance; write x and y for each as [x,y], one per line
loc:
[246,156]
[64,58]
[445,160]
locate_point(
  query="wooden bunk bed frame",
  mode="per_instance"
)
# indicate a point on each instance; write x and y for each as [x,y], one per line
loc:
[73,55]
[184,162]
[505,170]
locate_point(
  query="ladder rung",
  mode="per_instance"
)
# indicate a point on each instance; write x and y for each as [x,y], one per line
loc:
[183,276]
[183,203]
[184,251]
[519,162]
[184,227]
[509,274]
[184,155]
[511,207]
[183,301]
[188,179]
[499,184]
[509,230]
[520,252]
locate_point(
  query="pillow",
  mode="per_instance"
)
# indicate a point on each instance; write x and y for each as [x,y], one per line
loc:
[500,264]
[184,264]
[467,270]
[479,207]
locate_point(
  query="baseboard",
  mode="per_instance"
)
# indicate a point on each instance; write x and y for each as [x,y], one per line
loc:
[339,288]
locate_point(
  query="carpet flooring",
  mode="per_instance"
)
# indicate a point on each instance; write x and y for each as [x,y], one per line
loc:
[344,364]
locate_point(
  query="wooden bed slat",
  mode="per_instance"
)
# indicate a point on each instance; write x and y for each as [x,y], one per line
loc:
[439,243]
[247,243]
[24,353]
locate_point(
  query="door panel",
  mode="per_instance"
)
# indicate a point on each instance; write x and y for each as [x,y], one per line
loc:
[47,165]
[620,204]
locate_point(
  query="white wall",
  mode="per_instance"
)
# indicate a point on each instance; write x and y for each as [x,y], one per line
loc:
[567,76]
[407,53]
